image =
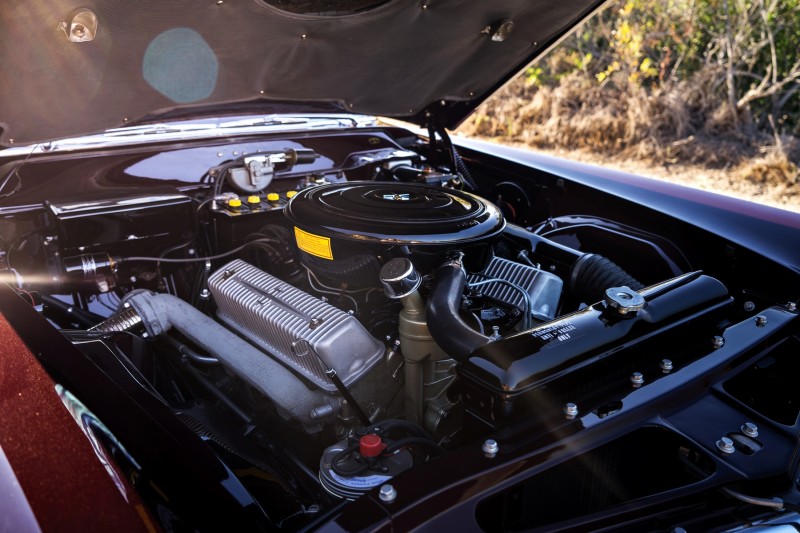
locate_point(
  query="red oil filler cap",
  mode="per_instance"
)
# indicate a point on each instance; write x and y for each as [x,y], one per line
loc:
[370,445]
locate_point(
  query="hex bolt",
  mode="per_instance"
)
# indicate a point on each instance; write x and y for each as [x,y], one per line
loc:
[718,342]
[791,306]
[666,366]
[570,411]
[490,448]
[725,445]
[761,321]
[387,493]
[637,380]
[750,429]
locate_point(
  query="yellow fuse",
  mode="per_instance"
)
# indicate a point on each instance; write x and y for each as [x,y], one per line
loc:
[273,197]
[253,199]
[290,194]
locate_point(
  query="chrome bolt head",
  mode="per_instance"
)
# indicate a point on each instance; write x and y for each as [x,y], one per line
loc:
[570,411]
[490,448]
[791,306]
[750,429]
[666,366]
[637,380]
[718,342]
[761,321]
[387,493]
[725,445]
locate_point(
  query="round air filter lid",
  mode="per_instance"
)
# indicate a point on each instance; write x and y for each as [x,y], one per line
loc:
[394,213]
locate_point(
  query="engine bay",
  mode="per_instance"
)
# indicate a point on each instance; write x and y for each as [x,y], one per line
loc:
[336,309]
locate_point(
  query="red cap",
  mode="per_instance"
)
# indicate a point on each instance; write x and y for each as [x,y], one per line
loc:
[370,445]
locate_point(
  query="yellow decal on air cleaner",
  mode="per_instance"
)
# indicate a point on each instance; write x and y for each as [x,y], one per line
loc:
[313,244]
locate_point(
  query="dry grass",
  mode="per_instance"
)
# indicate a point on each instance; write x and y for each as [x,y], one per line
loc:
[677,127]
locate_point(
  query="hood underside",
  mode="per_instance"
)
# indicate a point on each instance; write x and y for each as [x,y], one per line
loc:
[405,59]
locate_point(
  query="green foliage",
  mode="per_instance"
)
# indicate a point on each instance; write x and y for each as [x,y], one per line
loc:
[744,53]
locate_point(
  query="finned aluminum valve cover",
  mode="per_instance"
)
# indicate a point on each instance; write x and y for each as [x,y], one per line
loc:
[298,329]
[543,288]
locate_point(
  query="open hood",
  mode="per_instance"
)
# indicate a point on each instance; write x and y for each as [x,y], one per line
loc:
[73,67]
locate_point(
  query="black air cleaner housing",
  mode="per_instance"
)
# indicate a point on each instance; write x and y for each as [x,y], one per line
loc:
[339,221]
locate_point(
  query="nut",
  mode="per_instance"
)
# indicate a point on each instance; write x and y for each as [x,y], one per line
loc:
[387,493]
[490,448]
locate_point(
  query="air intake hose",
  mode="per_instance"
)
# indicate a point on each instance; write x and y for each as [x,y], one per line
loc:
[450,332]
[587,276]
[159,313]
[593,274]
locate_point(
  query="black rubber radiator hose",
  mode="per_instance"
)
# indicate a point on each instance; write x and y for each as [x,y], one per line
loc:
[450,332]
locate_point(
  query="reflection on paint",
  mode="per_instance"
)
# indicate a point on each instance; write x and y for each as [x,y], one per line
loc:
[180,65]
[97,433]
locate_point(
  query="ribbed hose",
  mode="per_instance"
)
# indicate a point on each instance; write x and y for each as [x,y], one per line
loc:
[593,274]
[128,320]
[464,171]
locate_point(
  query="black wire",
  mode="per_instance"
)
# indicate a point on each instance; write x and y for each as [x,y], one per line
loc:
[396,445]
[222,172]
[203,204]
[15,173]
[99,300]
[18,241]
[414,429]
[196,259]
[458,165]
[168,251]
[341,455]
[411,441]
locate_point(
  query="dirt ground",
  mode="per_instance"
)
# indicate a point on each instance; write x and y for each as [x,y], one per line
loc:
[721,181]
